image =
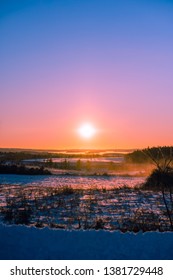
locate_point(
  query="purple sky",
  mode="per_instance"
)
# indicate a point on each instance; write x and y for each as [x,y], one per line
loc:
[64,63]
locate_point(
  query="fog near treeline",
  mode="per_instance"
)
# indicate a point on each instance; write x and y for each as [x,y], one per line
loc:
[134,162]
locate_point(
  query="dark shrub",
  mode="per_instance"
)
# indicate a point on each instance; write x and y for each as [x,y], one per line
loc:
[160,179]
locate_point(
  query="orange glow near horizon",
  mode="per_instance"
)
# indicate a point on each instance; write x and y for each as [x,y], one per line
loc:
[70,135]
[100,132]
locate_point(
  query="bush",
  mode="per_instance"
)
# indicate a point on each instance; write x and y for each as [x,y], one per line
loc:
[160,179]
[67,190]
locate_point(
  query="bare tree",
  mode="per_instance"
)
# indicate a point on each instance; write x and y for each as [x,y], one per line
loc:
[162,160]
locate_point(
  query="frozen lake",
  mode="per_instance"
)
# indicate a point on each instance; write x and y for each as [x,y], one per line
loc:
[70,180]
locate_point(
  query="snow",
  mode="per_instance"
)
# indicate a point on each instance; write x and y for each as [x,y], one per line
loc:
[21,242]
[70,180]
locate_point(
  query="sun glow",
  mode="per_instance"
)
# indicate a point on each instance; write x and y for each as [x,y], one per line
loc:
[87,131]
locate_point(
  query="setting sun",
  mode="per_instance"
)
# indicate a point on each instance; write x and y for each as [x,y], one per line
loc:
[87,131]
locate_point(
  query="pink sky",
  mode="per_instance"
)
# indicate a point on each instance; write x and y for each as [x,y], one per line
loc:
[64,63]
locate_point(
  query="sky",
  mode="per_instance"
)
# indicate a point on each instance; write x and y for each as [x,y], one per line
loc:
[104,62]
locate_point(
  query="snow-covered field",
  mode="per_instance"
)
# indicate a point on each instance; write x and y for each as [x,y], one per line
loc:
[99,204]
[20,242]
[69,208]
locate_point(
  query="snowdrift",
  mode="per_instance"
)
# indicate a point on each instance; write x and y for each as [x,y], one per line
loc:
[21,242]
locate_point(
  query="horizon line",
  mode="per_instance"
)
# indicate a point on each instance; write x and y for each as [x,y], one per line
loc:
[67,149]
[76,149]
